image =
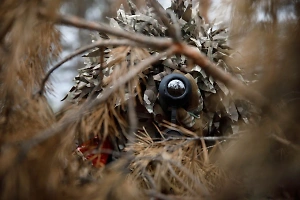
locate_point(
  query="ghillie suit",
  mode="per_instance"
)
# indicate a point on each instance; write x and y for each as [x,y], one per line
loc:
[134,120]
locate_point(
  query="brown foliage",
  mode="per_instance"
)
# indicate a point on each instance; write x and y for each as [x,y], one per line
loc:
[266,158]
[37,150]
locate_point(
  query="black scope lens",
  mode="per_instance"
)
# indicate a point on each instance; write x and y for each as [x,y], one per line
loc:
[174,91]
[176,88]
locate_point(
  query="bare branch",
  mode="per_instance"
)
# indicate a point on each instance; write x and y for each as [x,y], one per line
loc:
[176,31]
[100,43]
[219,74]
[285,142]
[173,29]
[201,189]
[155,42]
[6,27]
[204,192]
[171,170]
[207,138]
[157,195]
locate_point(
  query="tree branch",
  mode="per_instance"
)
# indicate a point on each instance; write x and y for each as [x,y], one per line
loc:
[99,43]
[285,142]
[155,42]
[173,29]
[219,74]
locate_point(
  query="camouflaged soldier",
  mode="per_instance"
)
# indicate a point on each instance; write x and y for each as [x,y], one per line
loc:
[220,110]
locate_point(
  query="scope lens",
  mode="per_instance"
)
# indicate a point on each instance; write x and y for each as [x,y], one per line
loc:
[176,88]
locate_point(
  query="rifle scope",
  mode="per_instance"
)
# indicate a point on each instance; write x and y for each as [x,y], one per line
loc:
[174,91]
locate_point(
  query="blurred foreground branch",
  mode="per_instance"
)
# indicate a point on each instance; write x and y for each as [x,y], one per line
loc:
[88,106]
[100,43]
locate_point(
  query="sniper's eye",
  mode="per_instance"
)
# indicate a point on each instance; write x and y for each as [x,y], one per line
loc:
[176,88]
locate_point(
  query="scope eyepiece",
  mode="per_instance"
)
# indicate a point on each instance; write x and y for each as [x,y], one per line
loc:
[174,91]
[176,88]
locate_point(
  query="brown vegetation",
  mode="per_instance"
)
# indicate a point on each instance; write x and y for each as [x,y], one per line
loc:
[37,148]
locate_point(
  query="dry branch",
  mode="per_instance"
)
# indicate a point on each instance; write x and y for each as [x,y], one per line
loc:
[219,74]
[100,43]
[173,29]
[155,42]
[286,142]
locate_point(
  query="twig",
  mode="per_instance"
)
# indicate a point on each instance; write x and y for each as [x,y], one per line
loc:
[99,43]
[180,180]
[149,178]
[161,196]
[176,127]
[213,138]
[176,28]
[157,195]
[133,123]
[285,142]
[204,191]
[156,42]
[173,29]
[204,6]
[6,29]
[219,74]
